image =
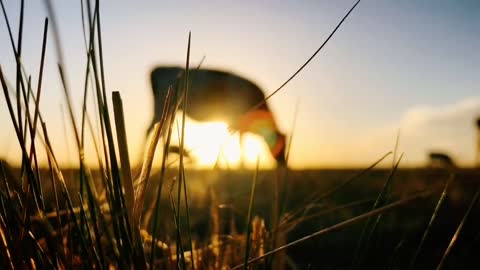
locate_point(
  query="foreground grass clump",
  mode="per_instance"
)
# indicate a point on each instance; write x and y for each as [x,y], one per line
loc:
[54,218]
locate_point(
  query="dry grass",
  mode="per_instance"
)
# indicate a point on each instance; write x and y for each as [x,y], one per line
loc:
[111,220]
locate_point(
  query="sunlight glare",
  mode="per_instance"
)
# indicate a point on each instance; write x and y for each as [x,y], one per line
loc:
[212,142]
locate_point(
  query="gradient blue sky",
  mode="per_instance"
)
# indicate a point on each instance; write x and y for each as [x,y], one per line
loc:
[408,65]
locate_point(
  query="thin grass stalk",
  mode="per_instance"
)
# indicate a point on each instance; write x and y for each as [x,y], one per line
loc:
[171,115]
[6,248]
[119,199]
[98,90]
[7,22]
[317,196]
[19,72]
[84,111]
[83,242]
[123,151]
[68,200]
[369,228]
[41,256]
[87,69]
[27,106]
[386,190]
[120,223]
[308,61]
[3,210]
[30,174]
[118,216]
[100,51]
[34,182]
[434,216]
[459,229]
[37,105]
[249,216]
[40,77]
[8,198]
[181,163]
[52,177]
[5,182]
[127,179]
[99,158]
[179,247]
[291,225]
[97,95]
[182,147]
[342,225]
[68,99]
[147,165]
[83,216]
[14,49]
[94,209]
[187,208]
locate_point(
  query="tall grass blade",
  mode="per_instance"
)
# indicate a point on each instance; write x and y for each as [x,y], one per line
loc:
[40,78]
[7,22]
[123,151]
[83,216]
[342,225]
[318,196]
[7,256]
[170,115]
[369,228]
[182,147]
[308,61]
[52,176]
[19,72]
[147,165]
[459,229]
[249,216]
[25,161]
[432,219]
[179,247]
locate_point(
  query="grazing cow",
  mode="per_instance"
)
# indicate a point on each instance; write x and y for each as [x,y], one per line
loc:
[441,160]
[216,95]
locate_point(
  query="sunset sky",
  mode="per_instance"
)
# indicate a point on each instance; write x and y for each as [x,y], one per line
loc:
[410,65]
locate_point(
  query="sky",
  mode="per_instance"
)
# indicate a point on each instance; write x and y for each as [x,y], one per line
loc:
[394,67]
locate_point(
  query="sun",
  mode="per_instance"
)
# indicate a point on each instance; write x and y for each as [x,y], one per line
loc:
[212,144]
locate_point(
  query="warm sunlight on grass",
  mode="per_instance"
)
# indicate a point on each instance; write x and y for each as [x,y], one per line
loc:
[212,142]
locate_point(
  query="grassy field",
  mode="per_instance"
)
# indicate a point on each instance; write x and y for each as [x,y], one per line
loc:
[218,206]
[116,217]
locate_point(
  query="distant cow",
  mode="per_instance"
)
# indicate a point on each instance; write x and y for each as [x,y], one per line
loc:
[216,95]
[441,160]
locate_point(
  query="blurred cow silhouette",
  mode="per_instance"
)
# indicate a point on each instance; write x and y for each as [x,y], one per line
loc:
[441,160]
[216,95]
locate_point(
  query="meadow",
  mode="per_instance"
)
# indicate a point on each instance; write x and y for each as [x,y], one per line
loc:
[170,217]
